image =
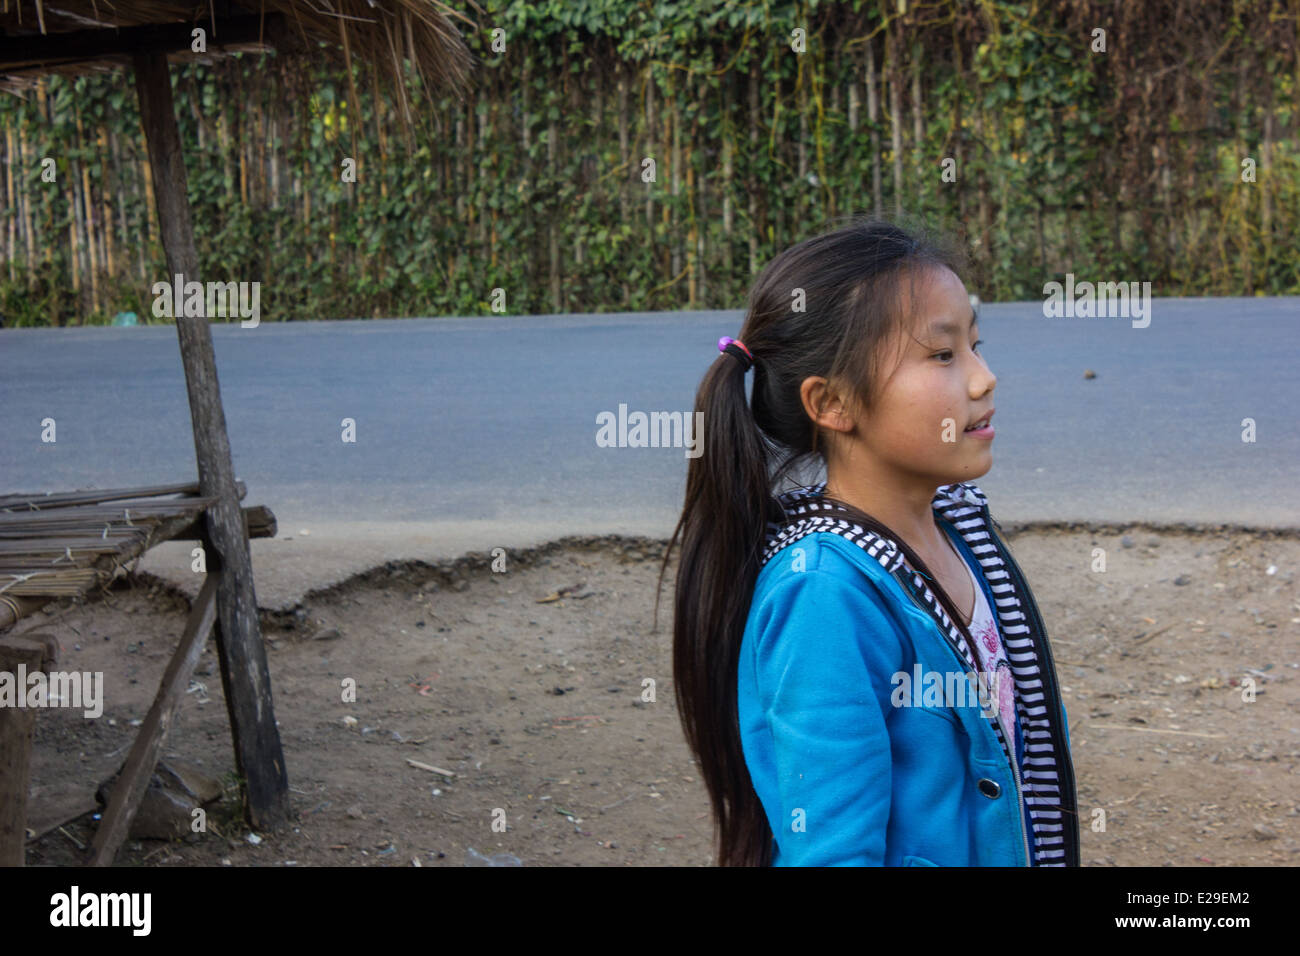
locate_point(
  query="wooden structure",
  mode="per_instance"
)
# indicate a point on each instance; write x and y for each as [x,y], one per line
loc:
[70,36]
[68,545]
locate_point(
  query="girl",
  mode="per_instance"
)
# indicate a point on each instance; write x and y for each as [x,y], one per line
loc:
[860,667]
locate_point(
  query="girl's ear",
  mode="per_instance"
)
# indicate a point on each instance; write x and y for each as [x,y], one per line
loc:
[824,405]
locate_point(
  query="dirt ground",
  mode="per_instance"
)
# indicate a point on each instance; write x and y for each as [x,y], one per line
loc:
[536,708]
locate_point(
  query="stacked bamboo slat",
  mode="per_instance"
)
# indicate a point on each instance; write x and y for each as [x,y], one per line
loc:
[64,545]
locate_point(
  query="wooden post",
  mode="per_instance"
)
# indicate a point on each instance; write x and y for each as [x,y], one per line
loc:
[35,652]
[244,675]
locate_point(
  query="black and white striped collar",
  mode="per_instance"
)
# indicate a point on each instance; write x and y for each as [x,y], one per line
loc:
[806,512]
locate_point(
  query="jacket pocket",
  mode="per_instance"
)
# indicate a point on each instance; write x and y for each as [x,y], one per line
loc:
[917,861]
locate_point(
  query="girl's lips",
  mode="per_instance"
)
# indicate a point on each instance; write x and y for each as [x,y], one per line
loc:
[987,431]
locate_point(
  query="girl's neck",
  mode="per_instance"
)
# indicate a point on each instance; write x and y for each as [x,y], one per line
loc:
[909,513]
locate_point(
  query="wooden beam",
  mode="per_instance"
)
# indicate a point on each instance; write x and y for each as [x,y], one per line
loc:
[258,519]
[27,51]
[134,780]
[244,674]
[35,652]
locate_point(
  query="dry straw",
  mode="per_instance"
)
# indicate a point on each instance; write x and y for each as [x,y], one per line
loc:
[390,34]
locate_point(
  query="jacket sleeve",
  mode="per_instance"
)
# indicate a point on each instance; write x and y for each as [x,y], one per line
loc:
[825,655]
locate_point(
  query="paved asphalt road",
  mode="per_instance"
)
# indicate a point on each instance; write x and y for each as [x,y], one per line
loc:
[473,433]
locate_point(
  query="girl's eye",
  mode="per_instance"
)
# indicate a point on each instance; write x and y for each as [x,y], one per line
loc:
[946,354]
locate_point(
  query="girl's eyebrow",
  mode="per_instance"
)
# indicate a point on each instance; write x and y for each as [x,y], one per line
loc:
[944,328]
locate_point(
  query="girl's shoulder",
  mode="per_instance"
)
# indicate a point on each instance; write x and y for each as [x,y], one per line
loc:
[825,599]
[823,550]
[823,561]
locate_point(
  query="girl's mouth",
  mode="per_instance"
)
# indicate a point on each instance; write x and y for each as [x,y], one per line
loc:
[983,428]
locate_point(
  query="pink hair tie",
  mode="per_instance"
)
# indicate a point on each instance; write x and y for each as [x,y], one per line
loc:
[738,349]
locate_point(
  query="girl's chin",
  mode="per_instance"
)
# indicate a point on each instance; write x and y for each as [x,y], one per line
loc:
[977,469]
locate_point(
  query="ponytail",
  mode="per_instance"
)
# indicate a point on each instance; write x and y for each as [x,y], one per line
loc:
[722,529]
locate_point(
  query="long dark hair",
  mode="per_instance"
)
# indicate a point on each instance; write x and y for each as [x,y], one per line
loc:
[848,283]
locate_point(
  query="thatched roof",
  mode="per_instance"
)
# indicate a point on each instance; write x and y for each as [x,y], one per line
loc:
[80,36]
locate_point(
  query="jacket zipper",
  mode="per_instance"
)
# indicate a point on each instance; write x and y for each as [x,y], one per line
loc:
[1015,771]
[1020,793]
[1069,802]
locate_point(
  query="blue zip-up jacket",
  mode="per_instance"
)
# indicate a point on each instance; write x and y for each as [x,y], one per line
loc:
[844,775]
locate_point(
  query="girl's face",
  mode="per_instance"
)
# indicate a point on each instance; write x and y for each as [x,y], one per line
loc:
[915,432]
